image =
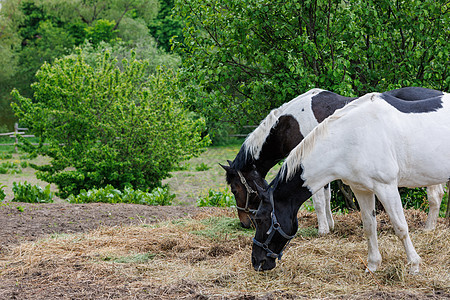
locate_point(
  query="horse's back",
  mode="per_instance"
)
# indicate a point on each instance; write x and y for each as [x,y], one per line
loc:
[414,93]
[411,138]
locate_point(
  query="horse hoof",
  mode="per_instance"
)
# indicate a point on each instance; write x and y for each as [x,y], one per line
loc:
[323,232]
[414,270]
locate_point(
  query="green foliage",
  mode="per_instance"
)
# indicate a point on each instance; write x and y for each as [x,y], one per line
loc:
[166,26]
[411,198]
[10,168]
[217,198]
[243,58]
[101,31]
[106,125]
[38,31]
[158,196]
[144,49]
[414,198]
[202,167]
[25,192]
[5,155]
[2,192]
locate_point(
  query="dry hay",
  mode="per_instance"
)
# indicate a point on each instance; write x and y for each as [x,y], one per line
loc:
[169,261]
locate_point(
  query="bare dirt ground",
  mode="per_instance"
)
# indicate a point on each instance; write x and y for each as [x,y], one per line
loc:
[21,222]
[29,222]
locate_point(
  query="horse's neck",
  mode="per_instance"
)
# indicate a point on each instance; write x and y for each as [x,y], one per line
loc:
[315,160]
[282,139]
[291,192]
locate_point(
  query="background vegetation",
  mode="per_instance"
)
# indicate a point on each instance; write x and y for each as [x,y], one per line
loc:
[227,62]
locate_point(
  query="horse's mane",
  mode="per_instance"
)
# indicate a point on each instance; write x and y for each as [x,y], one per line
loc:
[292,163]
[254,142]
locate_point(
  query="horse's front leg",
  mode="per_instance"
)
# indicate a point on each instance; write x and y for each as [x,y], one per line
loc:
[366,202]
[319,202]
[390,198]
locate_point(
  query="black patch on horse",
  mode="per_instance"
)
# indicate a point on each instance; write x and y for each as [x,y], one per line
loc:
[325,103]
[283,137]
[414,93]
[414,107]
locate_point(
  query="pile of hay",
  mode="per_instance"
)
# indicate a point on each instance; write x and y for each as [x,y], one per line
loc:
[182,259]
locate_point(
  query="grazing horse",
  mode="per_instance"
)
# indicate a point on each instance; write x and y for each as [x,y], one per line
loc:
[282,130]
[375,144]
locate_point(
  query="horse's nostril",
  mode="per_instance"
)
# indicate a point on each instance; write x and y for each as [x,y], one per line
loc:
[258,266]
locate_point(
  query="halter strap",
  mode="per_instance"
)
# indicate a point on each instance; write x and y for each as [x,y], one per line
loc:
[274,227]
[249,191]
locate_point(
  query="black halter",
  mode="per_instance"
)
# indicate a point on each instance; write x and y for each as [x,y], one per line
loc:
[249,191]
[274,227]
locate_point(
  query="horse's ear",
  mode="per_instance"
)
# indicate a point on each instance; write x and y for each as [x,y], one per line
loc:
[226,168]
[261,191]
[229,162]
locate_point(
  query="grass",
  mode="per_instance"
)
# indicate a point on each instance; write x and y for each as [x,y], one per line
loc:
[26,173]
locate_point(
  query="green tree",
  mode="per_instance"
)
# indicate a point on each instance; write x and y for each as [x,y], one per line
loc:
[36,31]
[166,26]
[243,58]
[109,125]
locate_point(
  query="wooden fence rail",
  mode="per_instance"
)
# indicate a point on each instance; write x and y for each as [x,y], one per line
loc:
[244,135]
[17,131]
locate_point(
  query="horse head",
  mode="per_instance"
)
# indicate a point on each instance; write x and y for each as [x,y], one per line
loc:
[275,227]
[243,186]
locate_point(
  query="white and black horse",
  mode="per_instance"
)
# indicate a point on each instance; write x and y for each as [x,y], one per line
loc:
[282,130]
[375,145]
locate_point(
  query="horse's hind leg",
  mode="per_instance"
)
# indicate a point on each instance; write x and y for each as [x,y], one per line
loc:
[366,202]
[435,194]
[319,203]
[390,198]
[327,193]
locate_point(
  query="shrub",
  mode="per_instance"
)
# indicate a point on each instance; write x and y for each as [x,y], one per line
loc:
[217,198]
[202,167]
[2,193]
[5,155]
[10,167]
[25,192]
[108,125]
[109,194]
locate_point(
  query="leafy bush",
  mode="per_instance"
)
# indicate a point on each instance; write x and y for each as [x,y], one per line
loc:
[10,168]
[2,193]
[202,167]
[5,155]
[108,125]
[159,196]
[217,198]
[25,192]
[414,198]
[411,198]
